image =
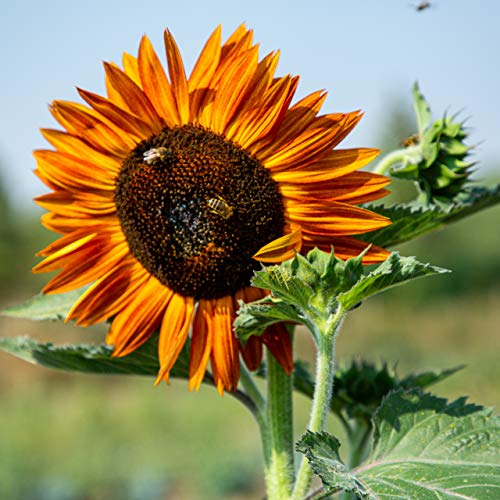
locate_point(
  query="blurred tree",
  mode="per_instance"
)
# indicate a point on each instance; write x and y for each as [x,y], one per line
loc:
[20,237]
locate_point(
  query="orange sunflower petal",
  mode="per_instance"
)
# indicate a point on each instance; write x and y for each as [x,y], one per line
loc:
[105,196]
[137,101]
[278,341]
[173,333]
[155,83]
[224,357]
[134,324]
[201,343]
[283,248]
[177,77]
[109,295]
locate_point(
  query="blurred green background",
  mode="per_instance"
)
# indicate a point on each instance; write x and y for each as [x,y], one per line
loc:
[66,436]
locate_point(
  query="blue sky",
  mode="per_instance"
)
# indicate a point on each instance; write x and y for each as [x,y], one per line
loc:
[367,54]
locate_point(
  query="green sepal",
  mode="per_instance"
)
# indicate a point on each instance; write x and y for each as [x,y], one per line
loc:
[422,109]
[436,153]
[423,447]
[88,358]
[411,220]
[394,271]
[310,290]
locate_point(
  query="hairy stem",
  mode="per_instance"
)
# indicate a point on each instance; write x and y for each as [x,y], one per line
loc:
[279,476]
[412,154]
[258,410]
[323,389]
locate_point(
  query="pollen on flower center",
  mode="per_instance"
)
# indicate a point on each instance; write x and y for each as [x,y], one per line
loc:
[194,208]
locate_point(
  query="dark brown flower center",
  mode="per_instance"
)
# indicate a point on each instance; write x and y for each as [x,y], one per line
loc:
[194,208]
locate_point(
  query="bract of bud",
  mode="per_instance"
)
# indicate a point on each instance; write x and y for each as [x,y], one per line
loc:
[442,169]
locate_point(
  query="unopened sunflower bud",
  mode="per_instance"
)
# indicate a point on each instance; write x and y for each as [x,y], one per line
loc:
[442,169]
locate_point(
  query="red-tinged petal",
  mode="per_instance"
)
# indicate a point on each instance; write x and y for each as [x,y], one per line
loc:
[263,118]
[86,123]
[239,41]
[296,120]
[59,254]
[224,357]
[76,147]
[127,121]
[177,77]
[140,318]
[77,204]
[110,294]
[309,146]
[334,218]
[203,72]
[173,334]
[137,101]
[277,339]
[201,343]
[68,172]
[156,85]
[251,353]
[232,90]
[131,68]
[87,266]
[283,248]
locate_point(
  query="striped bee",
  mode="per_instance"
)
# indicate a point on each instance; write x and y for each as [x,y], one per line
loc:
[155,153]
[411,141]
[220,207]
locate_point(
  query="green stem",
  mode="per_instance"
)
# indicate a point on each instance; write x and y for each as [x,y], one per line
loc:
[253,393]
[412,154]
[251,389]
[323,389]
[279,476]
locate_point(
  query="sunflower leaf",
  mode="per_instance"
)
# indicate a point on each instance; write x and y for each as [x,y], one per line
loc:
[412,220]
[94,358]
[394,271]
[43,307]
[255,317]
[423,447]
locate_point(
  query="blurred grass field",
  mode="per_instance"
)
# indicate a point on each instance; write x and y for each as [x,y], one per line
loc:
[65,436]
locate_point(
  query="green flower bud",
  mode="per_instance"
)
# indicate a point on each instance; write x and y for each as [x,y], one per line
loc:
[437,159]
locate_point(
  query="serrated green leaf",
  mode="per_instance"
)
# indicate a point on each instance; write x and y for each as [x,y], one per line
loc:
[425,379]
[410,221]
[424,447]
[394,271]
[321,450]
[283,284]
[94,358]
[312,290]
[422,109]
[45,307]
[255,317]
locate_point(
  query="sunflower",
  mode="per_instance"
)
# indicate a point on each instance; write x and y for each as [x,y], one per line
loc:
[169,191]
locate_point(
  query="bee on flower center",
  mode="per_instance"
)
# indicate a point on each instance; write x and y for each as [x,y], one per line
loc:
[220,207]
[155,153]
